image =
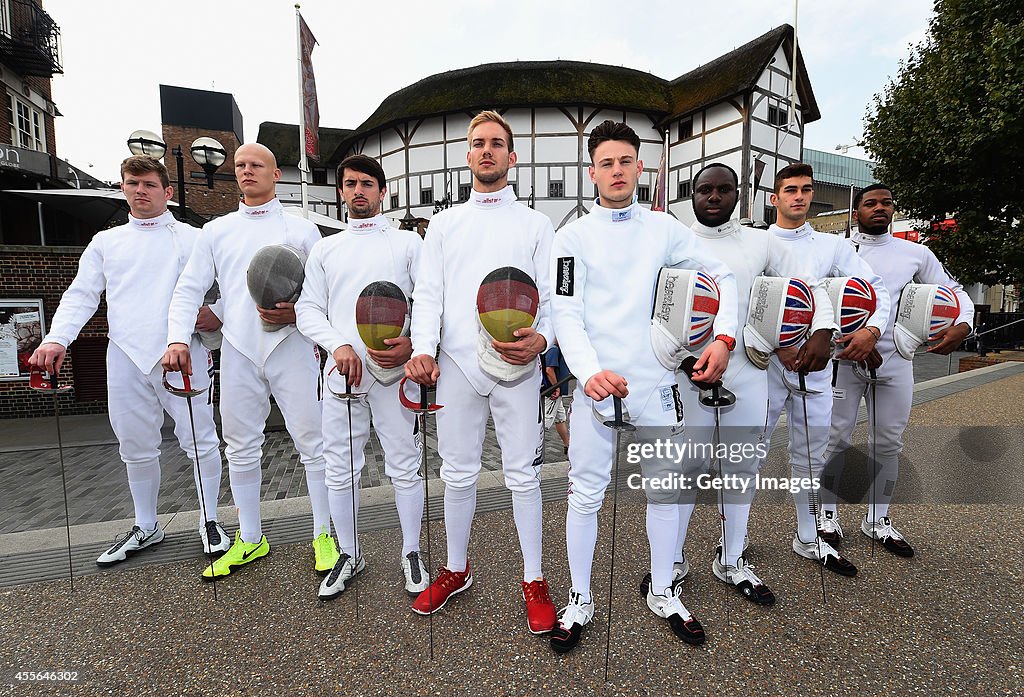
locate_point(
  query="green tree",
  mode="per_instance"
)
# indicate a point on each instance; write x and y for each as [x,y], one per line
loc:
[948,136]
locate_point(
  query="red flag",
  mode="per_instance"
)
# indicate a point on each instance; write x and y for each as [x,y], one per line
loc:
[660,201]
[310,109]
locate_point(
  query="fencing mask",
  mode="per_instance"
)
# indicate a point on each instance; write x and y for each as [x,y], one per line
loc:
[779,316]
[382,312]
[924,310]
[507,300]
[275,276]
[853,300]
[683,316]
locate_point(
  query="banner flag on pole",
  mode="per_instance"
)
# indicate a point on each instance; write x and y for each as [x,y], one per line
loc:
[310,109]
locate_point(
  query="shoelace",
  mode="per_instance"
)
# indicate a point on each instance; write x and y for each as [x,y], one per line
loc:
[136,532]
[831,524]
[569,613]
[212,533]
[674,606]
[887,530]
[745,572]
[414,567]
[339,567]
[448,579]
[537,591]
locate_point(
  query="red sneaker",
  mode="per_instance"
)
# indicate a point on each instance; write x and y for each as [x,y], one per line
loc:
[541,617]
[447,584]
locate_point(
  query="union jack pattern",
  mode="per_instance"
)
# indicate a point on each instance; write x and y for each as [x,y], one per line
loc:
[796,318]
[705,307]
[945,310]
[858,304]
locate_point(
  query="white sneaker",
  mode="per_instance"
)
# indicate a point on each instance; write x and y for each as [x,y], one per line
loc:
[215,537]
[890,537]
[684,625]
[575,616]
[823,552]
[746,581]
[416,579]
[344,570]
[129,543]
[829,528]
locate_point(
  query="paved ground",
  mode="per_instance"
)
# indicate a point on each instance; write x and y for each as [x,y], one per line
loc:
[946,622]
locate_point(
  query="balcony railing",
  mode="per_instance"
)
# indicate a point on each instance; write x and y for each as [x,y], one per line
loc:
[29,39]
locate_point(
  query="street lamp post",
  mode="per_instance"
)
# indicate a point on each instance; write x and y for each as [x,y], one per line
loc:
[207,152]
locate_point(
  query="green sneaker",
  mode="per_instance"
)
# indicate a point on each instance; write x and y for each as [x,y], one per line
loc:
[240,553]
[325,552]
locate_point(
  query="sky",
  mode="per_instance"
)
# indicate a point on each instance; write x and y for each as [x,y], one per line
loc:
[116,54]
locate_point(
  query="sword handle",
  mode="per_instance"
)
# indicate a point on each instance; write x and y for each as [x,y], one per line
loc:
[424,402]
[617,403]
[803,382]
[873,373]
[348,390]
[186,383]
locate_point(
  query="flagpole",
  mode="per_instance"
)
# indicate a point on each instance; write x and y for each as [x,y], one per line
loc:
[303,163]
[664,183]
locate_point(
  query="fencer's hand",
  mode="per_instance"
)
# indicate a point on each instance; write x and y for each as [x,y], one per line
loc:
[606,383]
[49,357]
[399,353]
[711,365]
[858,345]
[788,357]
[177,359]
[422,369]
[283,314]
[950,338]
[206,321]
[348,363]
[816,352]
[556,394]
[525,349]
[874,360]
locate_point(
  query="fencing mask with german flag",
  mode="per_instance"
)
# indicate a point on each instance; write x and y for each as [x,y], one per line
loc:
[382,312]
[507,300]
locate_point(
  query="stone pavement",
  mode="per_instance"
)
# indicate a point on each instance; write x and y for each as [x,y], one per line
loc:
[947,621]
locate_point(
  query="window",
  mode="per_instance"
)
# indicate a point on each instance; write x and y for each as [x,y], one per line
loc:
[769,214]
[394,201]
[685,129]
[426,196]
[464,190]
[320,176]
[27,125]
[684,190]
[777,116]
[556,190]
[643,193]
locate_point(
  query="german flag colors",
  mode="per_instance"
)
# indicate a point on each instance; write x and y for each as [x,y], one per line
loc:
[507,301]
[381,313]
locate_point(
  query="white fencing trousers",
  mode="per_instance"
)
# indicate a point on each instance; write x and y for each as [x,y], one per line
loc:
[461,426]
[394,426]
[742,429]
[818,421]
[887,420]
[591,455]
[291,374]
[136,403]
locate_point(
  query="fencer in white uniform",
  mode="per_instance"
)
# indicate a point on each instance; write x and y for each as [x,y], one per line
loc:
[818,256]
[748,253]
[898,262]
[256,363]
[604,269]
[137,266]
[464,244]
[339,268]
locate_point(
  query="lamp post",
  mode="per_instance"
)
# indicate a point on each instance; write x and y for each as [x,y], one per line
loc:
[844,148]
[207,152]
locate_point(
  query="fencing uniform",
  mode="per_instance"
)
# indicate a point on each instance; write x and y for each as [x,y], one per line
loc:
[338,269]
[137,266]
[604,269]
[256,364]
[898,262]
[816,256]
[463,245]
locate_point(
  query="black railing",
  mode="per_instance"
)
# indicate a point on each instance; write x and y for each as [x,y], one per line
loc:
[1000,331]
[29,39]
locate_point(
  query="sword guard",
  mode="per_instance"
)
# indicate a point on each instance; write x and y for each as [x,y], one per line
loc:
[868,375]
[423,406]
[799,389]
[712,394]
[186,387]
[43,381]
[348,395]
[619,423]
